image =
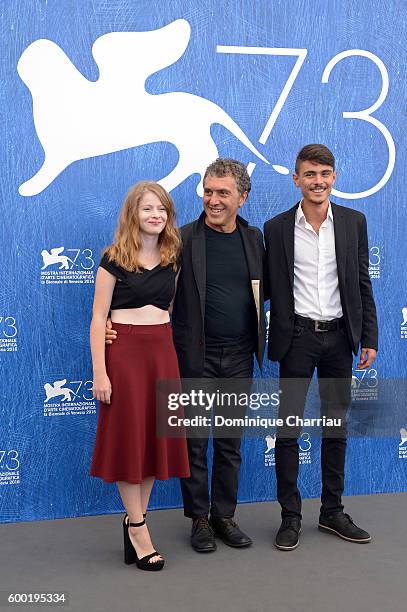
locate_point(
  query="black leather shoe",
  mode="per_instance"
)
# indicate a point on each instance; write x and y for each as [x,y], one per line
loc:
[342,525]
[228,531]
[288,536]
[202,538]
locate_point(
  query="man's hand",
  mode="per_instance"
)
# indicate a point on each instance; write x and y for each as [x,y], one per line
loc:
[367,357]
[110,334]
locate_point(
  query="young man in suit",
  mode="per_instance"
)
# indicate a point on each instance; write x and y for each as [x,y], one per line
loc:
[322,309]
[218,324]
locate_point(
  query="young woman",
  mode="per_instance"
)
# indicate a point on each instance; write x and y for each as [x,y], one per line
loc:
[136,282]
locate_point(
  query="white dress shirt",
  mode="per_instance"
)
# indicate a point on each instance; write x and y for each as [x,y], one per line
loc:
[316,288]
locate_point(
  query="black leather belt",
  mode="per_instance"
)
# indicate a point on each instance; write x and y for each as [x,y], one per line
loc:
[319,326]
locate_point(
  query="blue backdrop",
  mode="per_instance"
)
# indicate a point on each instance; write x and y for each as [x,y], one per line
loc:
[96,95]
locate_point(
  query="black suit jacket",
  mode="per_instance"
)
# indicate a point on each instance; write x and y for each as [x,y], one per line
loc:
[352,258]
[189,305]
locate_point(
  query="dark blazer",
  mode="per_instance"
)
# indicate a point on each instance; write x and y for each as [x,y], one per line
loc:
[188,314]
[352,258]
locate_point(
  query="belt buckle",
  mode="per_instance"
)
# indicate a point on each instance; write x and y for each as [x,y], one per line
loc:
[317,327]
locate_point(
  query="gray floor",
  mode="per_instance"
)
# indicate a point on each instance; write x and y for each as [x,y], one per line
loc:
[84,558]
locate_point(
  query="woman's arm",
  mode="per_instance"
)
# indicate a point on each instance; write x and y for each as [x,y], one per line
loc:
[104,286]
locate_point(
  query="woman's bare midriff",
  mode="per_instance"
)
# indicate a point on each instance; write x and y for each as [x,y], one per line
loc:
[147,315]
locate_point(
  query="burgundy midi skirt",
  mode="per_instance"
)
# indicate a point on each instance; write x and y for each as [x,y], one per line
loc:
[126,445]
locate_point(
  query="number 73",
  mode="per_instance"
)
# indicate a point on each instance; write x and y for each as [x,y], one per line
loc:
[362,115]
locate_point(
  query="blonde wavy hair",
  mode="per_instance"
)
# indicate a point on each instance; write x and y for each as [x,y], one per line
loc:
[124,251]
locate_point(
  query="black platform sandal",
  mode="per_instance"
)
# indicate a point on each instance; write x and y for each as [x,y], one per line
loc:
[126,515]
[130,555]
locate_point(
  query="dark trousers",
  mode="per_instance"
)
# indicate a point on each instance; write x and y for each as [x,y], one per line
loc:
[331,354]
[220,362]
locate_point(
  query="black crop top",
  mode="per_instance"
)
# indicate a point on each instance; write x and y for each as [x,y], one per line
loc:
[137,289]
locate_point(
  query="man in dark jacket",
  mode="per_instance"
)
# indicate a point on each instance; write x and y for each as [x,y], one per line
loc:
[218,324]
[322,310]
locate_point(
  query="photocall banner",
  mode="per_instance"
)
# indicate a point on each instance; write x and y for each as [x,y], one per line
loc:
[97,95]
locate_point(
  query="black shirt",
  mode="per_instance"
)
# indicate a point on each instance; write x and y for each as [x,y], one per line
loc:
[137,289]
[230,313]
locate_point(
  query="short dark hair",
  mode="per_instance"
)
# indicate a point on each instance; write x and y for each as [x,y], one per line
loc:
[315,153]
[230,167]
